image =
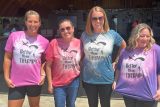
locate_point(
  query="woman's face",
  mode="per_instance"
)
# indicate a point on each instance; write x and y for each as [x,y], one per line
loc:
[32,24]
[66,30]
[144,38]
[97,20]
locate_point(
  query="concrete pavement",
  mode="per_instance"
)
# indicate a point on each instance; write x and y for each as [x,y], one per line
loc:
[47,101]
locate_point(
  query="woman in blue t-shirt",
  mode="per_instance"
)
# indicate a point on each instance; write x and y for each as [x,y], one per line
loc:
[97,70]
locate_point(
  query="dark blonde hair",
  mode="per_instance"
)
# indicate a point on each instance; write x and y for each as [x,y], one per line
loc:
[89,28]
[135,34]
[31,12]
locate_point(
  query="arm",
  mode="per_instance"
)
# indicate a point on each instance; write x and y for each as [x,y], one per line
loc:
[42,70]
[116,78]
[158,81]
[42,74]
[49,76]
[6,68]
[157,96]
[123,45]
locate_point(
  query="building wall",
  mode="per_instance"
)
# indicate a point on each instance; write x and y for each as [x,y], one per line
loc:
[2,45]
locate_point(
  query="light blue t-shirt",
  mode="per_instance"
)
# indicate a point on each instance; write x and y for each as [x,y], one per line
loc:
[97,62]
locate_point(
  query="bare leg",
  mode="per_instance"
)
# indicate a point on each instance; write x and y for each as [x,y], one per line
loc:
[15,103]
[34,101]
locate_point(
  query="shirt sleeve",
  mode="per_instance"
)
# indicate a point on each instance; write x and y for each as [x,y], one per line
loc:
[9,43]
[49,52]
[82,36]
[45,45]
[158,59]
[118,39]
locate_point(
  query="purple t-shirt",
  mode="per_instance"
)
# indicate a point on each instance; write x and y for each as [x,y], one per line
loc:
[138,72]
[26,60]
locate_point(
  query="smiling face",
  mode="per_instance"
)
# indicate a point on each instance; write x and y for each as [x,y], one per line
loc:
[66,30]
[144,38]
[97,20]
[32,23]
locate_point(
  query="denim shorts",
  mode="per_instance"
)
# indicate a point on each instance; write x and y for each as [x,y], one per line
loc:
[20,92]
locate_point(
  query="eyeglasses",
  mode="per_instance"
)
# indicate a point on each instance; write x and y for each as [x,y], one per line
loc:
[97,18]
[66,28]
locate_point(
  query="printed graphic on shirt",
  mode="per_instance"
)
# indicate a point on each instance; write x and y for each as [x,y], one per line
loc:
[26,52]
[70,58]
[98,49]
[134,67]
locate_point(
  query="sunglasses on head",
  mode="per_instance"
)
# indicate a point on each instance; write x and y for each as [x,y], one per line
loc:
[97,18]
[66,28]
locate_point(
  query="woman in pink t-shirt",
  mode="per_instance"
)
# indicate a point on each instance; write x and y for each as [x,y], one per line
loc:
[23,62]
[63,56]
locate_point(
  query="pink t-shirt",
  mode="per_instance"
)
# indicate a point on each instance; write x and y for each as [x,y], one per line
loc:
[26,60]
[65,59]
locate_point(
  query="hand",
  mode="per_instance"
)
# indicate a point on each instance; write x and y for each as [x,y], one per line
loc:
[114,85]
[114,64]
[9,83]
[42,79]
[50,89]
[157,96]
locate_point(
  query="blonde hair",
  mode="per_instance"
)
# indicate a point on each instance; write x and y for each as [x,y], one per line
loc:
[31,12]
[135,34]
[89,28]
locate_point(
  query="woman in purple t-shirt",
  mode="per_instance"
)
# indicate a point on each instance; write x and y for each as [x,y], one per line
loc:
[138,75]
[23,71]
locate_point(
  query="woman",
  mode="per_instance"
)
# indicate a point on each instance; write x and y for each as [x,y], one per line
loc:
[98,73]
[137,75]
[23,62]
[63,57]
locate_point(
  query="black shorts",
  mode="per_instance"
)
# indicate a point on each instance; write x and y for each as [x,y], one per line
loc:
[20,92]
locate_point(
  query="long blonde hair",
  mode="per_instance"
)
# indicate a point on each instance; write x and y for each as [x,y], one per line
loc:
[135,33]
[89,28]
